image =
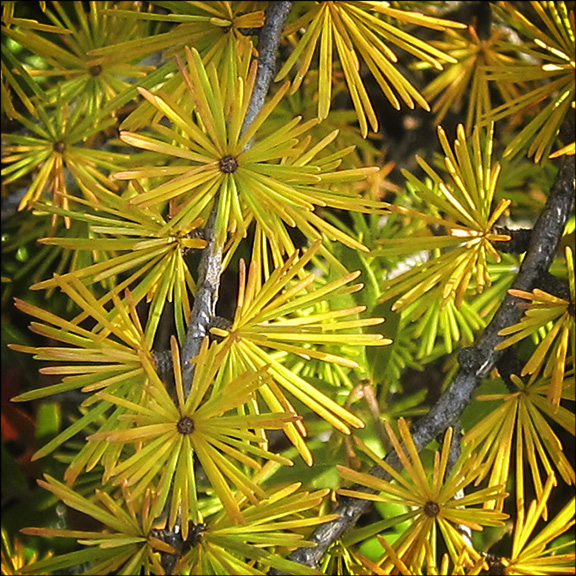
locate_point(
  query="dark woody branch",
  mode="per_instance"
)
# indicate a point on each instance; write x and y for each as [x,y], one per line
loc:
[204,308]
[210,268]
[203,315]
[518,244]
[476,362]
[268,41]
[519,240]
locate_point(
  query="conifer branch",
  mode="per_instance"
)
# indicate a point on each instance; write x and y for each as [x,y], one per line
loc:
[210,268]
[184,477]
[476,361]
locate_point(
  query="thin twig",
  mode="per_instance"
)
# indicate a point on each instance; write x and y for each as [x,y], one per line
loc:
[268,42]
[204,309]
[210,268]
[476,362]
